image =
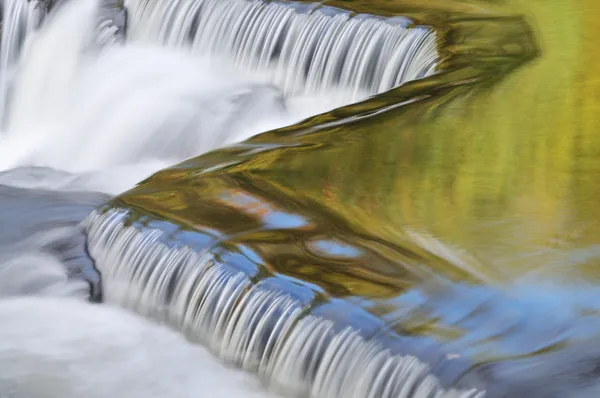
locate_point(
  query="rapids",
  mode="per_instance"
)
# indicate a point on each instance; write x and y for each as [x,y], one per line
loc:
[185,204]
[183,192]
[53,347]
[87,111]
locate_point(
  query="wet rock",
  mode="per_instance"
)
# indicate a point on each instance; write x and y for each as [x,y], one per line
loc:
[42,244]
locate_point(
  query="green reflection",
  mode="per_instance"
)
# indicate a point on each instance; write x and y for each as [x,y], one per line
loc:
[485,173]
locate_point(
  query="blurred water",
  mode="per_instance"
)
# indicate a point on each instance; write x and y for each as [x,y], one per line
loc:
[51,347]
[86,115]
[81,120]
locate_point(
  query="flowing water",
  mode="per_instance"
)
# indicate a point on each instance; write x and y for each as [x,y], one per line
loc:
[434,240]
[52,347]
[328,257]
[87,111]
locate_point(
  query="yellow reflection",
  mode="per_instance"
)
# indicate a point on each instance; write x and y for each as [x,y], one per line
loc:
[496,157]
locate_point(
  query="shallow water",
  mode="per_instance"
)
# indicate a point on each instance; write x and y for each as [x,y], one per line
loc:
[84,122]
[440,220]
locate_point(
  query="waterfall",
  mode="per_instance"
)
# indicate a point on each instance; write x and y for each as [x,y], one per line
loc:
[165,104]
[302,48]
[260,327]
[19,19]
[124,129]
[53,95]
[22,18]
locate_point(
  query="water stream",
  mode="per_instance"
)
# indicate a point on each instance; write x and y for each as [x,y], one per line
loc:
[87,113]
[255,198]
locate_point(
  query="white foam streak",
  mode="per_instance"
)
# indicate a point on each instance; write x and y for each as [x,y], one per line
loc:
[261,330]
[299,50]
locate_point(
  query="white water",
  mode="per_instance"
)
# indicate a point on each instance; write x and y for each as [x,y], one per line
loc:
[129,110]
[107,116]
[221,309]
[66,348]
[302,48]
[20,18]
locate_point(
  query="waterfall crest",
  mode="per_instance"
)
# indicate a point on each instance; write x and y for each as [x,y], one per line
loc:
[300,47]
[260,327]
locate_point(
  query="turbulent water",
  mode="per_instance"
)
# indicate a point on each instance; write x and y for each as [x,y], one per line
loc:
[51,347]
[262,328]
[157,105]
[86,113]
[223,267]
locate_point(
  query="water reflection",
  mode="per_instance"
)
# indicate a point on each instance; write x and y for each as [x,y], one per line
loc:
[461,207]
[408,288]
[265,213]
[332,248]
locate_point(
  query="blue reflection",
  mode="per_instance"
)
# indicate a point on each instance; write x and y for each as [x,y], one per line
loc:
[200,239]
[334,248]
[281,220]
[239,257]
[269,217]
[507,321]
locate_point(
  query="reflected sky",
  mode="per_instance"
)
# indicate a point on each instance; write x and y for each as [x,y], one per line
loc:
[468,214]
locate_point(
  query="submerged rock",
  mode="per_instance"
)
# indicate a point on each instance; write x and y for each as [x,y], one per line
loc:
[42,245]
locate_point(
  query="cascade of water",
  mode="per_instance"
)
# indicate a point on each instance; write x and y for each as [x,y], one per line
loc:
[19,19]
[60,116]
[300,48]
[42,86]
[255,326]
[167,105]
